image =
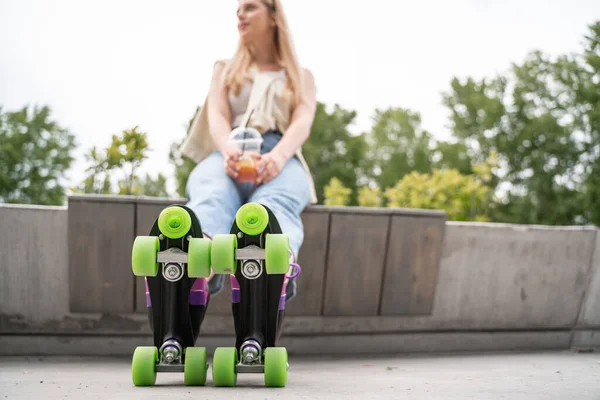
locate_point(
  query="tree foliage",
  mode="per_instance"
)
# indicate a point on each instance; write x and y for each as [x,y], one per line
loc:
[463,197]
[398,146]
[524,148]
[333,151]
[539,118]
[121,160]
[35,154]
[336,194]
[369,196]
[183,165]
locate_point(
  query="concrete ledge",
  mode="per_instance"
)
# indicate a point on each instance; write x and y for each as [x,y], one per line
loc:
[586,340]
[589,312]
[306,345]
[311,208]
[33,262]
[500,287]
[217,325]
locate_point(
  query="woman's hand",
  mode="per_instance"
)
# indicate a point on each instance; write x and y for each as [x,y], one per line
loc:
[231,154]
[232,157]
[269,166]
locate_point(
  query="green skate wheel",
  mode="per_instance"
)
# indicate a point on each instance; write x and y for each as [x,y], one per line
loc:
[252,219]
[222,254]
[174,222]
[143,366]
[276,366]
[277,249]
[195,366]
[143,256]
[199,258]
[223,366]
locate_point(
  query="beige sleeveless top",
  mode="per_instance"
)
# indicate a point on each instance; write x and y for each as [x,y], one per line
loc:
[273,111]
[239,104]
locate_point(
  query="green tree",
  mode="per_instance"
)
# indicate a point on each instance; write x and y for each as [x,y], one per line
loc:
[369,196]
[121,160]
[183,165]
[35,153]
[585,83]
[336,194]
[148,186]
[449,155]
[529,117]
[398,146]
[183,168]
[126,154]
[333,151]
[97,180]
[463,197]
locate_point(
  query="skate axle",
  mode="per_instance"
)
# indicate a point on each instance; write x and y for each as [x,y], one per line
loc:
[251,253]
[250,369]
[173,272]
[170,354]
[170,368]
[173,255]
[172,260]
[251,269]
[170,351]
[251,352]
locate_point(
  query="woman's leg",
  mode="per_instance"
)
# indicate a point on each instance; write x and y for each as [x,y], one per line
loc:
[215,198]
[287,195]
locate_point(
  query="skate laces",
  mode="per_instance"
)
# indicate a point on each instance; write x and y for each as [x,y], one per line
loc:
[296,271]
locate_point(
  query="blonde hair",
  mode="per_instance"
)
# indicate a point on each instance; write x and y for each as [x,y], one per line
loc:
[237,72]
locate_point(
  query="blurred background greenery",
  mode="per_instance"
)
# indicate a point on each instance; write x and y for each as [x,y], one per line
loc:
[525,148]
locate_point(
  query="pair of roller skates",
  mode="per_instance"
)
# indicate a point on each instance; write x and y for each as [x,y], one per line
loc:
[176,261]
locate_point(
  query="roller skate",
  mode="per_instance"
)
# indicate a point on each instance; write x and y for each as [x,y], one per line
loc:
[256,255]
[175,261]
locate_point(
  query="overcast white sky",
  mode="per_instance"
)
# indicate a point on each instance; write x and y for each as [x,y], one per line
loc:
[104,66]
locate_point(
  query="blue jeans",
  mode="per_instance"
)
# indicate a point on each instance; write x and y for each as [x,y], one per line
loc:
[215,197]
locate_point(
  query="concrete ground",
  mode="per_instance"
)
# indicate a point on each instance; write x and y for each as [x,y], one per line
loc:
[555,375]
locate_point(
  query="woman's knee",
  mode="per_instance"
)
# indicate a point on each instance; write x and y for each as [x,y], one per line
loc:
[208,180]
[290,189]
[288,212]
[212,194]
